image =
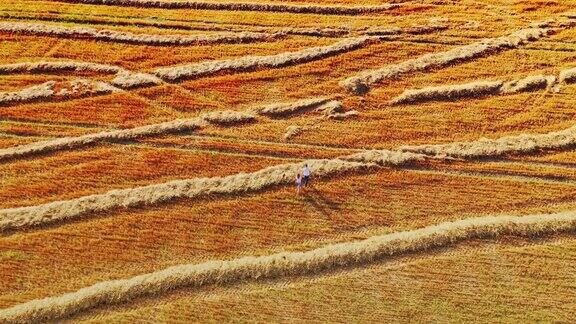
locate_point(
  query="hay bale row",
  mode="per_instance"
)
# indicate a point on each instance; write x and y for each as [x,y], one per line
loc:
[59,211]
[58,66]
[114,135]
[132,38]
[228,117]
[83,87]
[286,264]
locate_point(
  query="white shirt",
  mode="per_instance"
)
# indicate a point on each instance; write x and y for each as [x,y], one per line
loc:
[306,172]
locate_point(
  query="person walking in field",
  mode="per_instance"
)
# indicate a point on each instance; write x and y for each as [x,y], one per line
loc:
[298,183]
[306,175]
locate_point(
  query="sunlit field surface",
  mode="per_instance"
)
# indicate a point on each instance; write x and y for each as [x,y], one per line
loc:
[149,148]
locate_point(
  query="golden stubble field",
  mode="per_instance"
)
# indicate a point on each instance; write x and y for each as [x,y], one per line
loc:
[148,150]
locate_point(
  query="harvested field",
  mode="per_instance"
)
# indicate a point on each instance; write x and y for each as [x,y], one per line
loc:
[126,37]
[240,6]
[149,154]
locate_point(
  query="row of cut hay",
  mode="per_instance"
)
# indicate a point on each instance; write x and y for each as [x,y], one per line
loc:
[179,125]
[21,217]
[449,92]
[287,264]
[274,32]
[529,83]
[568,76]
[289,108]
[330,107]
[66,143]
[85,87]
[123,78]
[14,219]
[228,117]
[484,147]
[57,67]
[250,63]
[127,79]
[52,90]
[32,93]
[486,88]
[334,109]
[414,30]
[292,131]
[362,82]
[213,27]
[202,26]
[343,115]
[368,31]
[132,38]
[243,6]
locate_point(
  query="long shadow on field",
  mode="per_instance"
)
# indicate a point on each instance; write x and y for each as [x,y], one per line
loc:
[95,215]
[319,201]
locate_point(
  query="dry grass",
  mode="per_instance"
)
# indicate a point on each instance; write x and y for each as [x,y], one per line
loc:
[283,109]
[344,115]
[250,63]
[530,83]
[124,78]
[53,90]
[449,92]
[486,88]
[42,91]
[524,143]
[335,211]
[436,287]
[83,87]
[287,263]
[568,76]
[132,38]
[362,82]
[58,211]
[240,6]
[114,135]
[23,217]
[359,200]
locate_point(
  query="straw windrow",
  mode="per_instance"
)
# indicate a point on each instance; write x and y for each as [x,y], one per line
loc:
[286,264]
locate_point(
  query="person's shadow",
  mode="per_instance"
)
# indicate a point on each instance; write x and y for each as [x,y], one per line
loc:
[319,201]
